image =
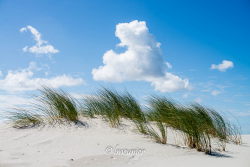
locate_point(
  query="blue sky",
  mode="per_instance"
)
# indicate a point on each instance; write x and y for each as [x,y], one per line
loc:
[75,35]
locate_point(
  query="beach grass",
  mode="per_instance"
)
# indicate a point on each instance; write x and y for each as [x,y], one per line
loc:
[113,106]
[57,106]
[105,103]
[25,119]
[52,106]
[198,125]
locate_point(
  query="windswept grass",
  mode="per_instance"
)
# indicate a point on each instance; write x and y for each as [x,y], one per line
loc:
[107,104]
[57,106]
[196,123]
[133,111]
[234,134]
[159,131]
[211,125]
[52,106]
[200,126]
[25,119]
[113,106]
[163,112]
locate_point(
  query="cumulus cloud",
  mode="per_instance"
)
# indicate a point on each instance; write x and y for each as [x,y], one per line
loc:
[41,46]
[142,60]
[24,80]
[168,83]
[226,64]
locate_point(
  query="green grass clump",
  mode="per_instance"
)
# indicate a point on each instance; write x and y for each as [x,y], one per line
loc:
[113,106]
[25,119]
[132,110]
[164,113]
[198,124]
[208,125]
[57,106]
[107,104]
[52,106]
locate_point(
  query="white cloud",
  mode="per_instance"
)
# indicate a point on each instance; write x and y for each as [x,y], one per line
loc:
[168,83]
[24,80]
[226,64]
[215,92]
[142,61]
[41,46]
[9,101]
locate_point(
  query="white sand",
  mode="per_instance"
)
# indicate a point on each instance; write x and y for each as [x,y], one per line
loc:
[100,145]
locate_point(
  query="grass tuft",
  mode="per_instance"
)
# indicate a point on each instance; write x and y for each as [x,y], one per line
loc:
[113,106]
[57,106]
[52,106]
[198,124]
[24,119]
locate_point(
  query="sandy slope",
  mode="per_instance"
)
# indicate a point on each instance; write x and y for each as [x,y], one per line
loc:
[99,145]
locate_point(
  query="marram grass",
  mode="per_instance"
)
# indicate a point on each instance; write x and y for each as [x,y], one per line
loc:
[107,104]
[159,129]
[25,119]
[199,125]
[113,106]
[52,106]
[57,106]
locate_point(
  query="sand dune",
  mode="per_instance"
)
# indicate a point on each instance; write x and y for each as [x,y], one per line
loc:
[99,145]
